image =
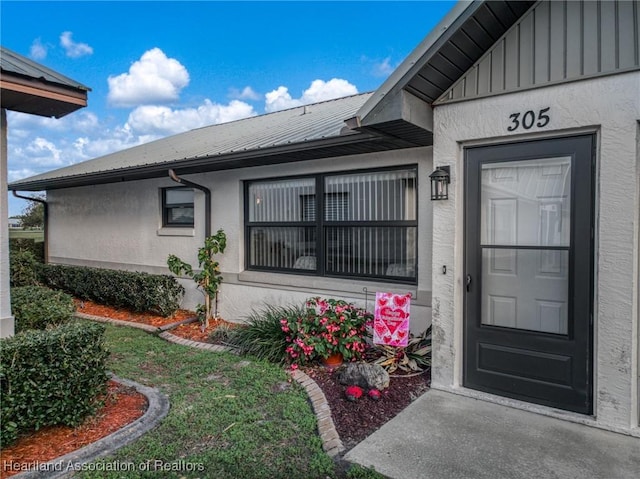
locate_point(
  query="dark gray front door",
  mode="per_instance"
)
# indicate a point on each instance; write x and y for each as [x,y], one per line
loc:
[529,271]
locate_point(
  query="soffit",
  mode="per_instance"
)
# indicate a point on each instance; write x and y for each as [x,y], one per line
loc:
[29,87]
[452,47]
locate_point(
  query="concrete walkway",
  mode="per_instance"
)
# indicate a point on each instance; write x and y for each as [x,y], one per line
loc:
[443,435]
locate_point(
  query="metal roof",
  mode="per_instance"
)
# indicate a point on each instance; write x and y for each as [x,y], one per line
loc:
[29,87]
[305,132]
[444,56]
[14,63]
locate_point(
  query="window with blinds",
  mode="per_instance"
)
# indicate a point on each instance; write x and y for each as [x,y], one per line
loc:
[177,207]
[365,225]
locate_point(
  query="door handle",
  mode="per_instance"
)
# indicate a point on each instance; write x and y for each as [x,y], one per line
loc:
[468,283]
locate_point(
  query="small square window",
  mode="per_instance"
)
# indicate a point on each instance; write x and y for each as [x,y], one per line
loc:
[177,207]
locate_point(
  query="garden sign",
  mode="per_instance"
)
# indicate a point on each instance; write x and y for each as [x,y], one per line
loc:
[391,319]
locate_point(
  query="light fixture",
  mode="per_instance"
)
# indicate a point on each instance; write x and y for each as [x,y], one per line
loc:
[440,180]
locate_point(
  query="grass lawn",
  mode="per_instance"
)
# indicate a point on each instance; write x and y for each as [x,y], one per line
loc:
[35,235]
[230,417]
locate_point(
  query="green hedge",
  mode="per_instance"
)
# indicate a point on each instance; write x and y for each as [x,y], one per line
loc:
[26,244]
[37,307]
[24,269]
[51,377]
[140,292]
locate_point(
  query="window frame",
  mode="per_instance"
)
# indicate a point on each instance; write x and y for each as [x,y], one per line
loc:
[322,226]
[166,223]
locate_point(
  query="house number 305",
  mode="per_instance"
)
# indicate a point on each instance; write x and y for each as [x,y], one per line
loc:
[528,119]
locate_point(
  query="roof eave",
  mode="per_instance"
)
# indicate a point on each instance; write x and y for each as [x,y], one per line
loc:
[356,143]
[401,76]
[39,97]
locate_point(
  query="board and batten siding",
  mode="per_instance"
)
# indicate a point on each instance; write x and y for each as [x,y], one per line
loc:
[556,42]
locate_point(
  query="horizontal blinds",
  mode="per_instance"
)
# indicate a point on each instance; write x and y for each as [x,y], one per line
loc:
[178,196]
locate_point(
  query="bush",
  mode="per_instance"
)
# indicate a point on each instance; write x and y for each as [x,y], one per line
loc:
[326,327]
[24,269]
[50,377]
[263,336]
[17,245]
[140,292]
[37,307]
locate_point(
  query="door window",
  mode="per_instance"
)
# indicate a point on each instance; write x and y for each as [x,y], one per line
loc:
[525,238]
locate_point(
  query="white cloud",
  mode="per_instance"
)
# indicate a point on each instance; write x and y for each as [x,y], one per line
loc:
[280,99]
[319,90]
[15,175]
[162,120]
[43,153]
[73,49]
[154,78]
[247,93]
[82,121]
[38,51]
[383,68]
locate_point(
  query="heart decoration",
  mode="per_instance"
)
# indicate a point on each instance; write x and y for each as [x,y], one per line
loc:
[391,321]
[382,300]
[401,301]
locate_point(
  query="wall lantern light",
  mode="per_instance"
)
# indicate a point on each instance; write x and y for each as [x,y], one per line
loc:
[440,180]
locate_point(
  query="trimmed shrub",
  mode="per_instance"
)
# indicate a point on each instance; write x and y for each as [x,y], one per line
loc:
[37,307]
[262,336]
[140,292]
[24,269]
[25,244]
[51,377]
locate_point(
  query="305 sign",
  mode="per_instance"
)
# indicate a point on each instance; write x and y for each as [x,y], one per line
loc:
[529,119]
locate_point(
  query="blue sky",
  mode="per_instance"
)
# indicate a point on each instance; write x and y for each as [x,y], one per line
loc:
[160,68]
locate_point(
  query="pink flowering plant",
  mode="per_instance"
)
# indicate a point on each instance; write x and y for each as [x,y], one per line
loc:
[328,326]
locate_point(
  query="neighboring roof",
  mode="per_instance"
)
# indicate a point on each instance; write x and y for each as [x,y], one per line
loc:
[29,87]
[14,63]
[444,56]
[302,133]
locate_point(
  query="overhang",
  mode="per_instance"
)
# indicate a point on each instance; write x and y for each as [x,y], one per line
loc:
[354,144]
[28,87]
[303,133]
[451,48]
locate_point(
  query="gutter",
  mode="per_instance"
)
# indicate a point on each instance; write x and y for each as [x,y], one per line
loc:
[197,164]
[46,221]
[207,199]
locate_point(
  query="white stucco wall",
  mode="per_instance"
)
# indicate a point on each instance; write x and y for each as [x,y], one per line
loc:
[610,107]
[119,226]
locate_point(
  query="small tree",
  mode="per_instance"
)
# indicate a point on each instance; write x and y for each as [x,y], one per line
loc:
[33,214]
[208,278]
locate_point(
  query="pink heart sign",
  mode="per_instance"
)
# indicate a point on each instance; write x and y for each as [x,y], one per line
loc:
[391,319]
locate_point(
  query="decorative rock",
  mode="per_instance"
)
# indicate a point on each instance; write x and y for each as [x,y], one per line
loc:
[374,394]
[365,375]
[353,393]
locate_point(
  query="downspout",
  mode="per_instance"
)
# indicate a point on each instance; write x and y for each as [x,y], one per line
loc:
[46,221]
[207,211]
[207,199]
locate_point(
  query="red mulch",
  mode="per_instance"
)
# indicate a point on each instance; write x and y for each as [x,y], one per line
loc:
[354,420]
[89,307]
[123,405]
[196,332]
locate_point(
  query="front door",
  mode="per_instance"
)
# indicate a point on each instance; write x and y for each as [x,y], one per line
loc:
[529,271]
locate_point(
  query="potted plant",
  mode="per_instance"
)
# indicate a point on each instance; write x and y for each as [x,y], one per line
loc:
[329,329]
